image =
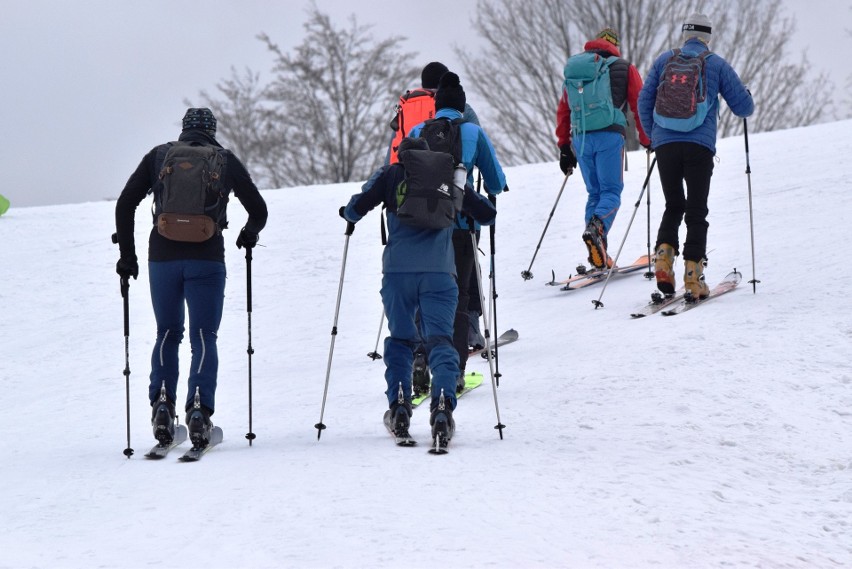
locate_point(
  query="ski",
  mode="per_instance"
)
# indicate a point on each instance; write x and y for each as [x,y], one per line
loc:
[472,380]
[404,441]
[727,284]
[194,454]
[584,273]
[658,302]
[159,451]
[600,276]
[506,337]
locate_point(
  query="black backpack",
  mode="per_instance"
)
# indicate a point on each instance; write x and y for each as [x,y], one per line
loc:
[427,197]
[191,203]
[444,135]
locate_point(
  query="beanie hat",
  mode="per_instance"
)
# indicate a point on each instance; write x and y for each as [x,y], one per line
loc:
[697,26]
[610,35]
[411,144]
[431,74]
[200,118]
[450,93]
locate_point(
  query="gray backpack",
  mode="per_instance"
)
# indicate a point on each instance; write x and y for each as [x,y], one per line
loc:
[191,202]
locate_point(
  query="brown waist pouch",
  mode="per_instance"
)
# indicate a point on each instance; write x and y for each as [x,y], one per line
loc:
[189,228]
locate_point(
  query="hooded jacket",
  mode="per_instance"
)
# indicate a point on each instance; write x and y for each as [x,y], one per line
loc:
[625,85]
[721,80]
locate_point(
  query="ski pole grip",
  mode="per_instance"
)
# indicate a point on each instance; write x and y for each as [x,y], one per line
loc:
[350,228]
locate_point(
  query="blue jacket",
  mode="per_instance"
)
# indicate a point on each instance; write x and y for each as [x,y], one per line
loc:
[410,249]
[478,151]
[721,80]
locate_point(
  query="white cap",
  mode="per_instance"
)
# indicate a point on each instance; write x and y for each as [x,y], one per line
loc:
[697,26]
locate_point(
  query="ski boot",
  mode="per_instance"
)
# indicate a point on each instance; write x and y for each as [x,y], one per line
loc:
[595,241]
[163,418]
[474,337]
[420,379]
[460,383]
[664,268]
[399,415]
[443,426]
[693,280]
[198,422]
[397,419]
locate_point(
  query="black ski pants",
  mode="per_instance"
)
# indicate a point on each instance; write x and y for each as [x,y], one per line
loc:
[680,162]
[464,253]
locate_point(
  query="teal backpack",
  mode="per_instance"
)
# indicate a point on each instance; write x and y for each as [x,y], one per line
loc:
[589,93]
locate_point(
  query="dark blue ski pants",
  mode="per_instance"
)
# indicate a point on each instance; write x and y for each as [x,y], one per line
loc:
[199,287]
[435,295]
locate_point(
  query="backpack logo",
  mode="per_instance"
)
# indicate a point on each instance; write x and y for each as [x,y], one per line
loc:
[682,102]
[190,204]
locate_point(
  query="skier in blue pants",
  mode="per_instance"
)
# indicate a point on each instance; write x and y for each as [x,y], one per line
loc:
[419,271]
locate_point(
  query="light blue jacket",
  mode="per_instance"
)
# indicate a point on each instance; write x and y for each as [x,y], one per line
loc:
[477,150]
[721,80]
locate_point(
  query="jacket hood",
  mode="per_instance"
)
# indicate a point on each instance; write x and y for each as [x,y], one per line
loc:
[449,113]
[198,135]
[601,44]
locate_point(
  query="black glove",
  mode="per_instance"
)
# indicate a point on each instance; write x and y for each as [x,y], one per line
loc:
[341,210]
[567,160]
[127,267]
[247,239]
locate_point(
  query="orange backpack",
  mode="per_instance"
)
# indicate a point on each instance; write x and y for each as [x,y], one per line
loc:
[415,107]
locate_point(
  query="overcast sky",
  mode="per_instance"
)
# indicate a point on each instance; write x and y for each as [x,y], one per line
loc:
[90,86]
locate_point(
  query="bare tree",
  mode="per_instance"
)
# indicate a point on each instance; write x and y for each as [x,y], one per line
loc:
[335,95]
[242,112]
[324,116]
[527,44]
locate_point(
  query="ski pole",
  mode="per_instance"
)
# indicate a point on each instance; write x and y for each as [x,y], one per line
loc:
[250,350]
[493,288]
[527,275]
[125,296]
[350,227]
[375,355]
[487,332]
[753,280]
[650,272]
[598,303]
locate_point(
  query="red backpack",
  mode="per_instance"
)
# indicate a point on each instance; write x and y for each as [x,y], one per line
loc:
[415,107]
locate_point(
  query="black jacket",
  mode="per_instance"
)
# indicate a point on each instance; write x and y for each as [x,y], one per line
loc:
[146,180]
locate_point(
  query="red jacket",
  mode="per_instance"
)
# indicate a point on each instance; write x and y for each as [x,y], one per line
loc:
[625,85]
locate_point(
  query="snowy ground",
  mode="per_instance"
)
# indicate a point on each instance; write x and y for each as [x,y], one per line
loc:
[717,438]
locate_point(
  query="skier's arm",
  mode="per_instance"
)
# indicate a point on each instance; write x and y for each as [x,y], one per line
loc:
[248,194]
[373,192]
[563,121]
[486,160]
[137,187]
[634,87]
[478,206]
